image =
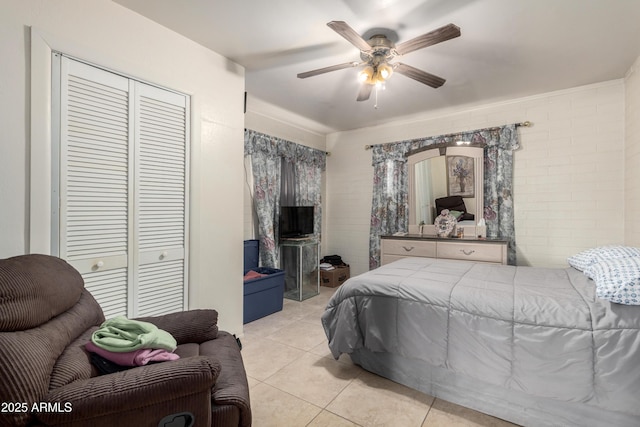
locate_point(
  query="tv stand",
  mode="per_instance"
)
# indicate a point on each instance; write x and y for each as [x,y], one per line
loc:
[300,258]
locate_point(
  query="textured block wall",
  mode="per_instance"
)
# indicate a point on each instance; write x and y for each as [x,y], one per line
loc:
[569,172]
[632,155]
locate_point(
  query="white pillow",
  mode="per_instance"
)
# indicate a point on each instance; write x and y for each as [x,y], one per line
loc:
[617,280]
[583,260]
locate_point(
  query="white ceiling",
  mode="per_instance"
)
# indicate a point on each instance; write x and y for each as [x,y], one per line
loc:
[508,49]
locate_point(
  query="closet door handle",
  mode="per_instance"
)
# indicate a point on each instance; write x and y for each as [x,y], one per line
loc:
[163,254]
[99,264]
[408,249]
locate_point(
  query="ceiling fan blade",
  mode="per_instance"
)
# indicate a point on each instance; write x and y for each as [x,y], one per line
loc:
[327,69]
[418,75]
[365,92]
[433,37]
[349,34]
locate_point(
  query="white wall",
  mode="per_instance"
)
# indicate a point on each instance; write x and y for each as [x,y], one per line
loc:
[109,35]
[632,155]
[271,120]
[568,175]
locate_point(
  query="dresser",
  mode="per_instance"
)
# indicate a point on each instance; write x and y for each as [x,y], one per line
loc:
[470,249]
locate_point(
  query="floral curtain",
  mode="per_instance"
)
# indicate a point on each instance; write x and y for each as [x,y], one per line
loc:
[309,166]
[498,185]
[266,168]
[389,212]
[390,184]
[267,154]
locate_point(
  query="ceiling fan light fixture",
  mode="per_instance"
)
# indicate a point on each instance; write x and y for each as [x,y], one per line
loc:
[384,71]
[366,75]
[379,50]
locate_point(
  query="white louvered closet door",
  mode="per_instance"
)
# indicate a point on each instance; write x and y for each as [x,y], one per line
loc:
[121,218]
[94,176]
[162,191]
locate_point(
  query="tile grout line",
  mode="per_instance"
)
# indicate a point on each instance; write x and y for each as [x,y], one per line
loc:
[309,352]
[424,420]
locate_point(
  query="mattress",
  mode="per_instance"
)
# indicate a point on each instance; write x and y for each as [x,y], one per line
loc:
[537,332]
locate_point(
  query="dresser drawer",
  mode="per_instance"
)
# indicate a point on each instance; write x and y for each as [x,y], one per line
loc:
[482,252]
[418,248]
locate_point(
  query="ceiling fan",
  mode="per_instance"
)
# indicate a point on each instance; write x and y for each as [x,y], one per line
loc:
[377,52]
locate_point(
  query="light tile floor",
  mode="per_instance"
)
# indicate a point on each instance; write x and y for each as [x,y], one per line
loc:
[294,380]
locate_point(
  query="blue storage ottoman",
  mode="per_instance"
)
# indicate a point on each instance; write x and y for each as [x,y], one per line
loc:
[263,295]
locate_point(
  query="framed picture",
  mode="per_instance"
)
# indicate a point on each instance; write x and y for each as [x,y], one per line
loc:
[460,176]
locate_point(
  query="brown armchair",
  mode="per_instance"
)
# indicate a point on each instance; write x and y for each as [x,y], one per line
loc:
[46,376]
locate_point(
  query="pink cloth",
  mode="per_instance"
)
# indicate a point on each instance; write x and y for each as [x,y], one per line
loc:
[253,275]
[133,358]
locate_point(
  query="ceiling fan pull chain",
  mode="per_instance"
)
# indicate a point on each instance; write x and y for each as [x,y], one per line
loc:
[376,104]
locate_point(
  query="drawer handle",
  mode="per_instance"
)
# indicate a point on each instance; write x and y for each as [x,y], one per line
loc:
[408,249]
[467,251]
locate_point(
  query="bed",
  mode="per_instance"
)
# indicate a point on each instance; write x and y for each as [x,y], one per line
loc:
[534,346]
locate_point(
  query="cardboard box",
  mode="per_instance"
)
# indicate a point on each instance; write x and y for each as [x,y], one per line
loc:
[334,278]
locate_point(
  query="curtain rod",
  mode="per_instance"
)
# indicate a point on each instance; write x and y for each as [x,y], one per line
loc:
[525,124]
[328,153]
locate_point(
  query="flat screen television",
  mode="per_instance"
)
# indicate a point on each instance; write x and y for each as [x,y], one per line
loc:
[296,221]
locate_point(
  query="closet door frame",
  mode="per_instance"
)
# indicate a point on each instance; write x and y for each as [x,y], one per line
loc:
[133,258]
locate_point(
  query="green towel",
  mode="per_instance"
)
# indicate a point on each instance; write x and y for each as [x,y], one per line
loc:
[121,334]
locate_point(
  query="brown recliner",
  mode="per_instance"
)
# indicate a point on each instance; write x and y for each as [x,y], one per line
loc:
[453,203]
[46,377]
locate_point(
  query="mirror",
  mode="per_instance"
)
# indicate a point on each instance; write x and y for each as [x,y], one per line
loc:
[431,184]
[441,172]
